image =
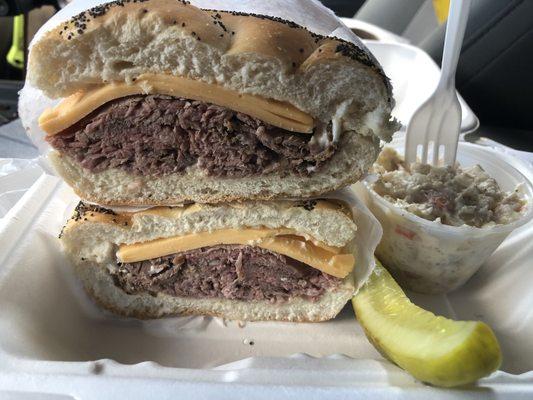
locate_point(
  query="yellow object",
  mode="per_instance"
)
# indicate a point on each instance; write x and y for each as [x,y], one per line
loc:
[78,105]
[320,256]
[15,55]
[441,8]
[433,349]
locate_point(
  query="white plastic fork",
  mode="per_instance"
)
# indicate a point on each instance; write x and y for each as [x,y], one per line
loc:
[437,121]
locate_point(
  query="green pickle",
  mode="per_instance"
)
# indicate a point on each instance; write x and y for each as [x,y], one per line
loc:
[433,349]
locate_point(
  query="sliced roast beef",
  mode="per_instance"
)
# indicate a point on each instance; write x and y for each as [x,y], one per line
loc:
[225,271]
[161,135]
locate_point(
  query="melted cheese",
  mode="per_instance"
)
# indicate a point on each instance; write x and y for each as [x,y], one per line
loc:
[79,105]
[281,241]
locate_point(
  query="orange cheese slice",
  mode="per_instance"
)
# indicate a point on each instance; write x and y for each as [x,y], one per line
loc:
[325,258]
[80,104]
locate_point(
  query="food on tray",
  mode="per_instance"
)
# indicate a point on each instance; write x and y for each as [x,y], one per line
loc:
[464,216]
[433,349]
[451,195]
[164,102]
[283,260]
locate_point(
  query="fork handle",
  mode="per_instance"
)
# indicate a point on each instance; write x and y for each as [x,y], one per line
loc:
[455,31]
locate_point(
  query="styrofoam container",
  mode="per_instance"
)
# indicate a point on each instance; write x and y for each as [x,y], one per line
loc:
[430,257]
[56,344]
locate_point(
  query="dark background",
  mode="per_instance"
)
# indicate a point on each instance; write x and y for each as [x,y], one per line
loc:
[495,72]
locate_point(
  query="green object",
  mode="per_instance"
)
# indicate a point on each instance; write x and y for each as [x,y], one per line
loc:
[433,349]
[15,56]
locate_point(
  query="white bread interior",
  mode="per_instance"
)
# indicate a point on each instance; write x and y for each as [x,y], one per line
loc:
[117,187]
[91,239]
[325,77]
[326,221]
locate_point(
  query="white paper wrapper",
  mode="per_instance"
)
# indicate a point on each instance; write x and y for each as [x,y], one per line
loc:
[368,235]
[309,13]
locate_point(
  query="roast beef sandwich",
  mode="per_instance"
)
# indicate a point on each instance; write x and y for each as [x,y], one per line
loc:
[164,102]
[277,260]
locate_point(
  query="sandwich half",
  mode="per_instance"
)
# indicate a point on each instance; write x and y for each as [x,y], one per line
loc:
[282,260]
[164,103]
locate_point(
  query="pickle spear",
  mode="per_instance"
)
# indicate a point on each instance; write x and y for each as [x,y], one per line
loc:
[433,349]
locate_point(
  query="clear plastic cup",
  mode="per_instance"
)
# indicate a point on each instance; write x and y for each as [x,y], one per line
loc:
[430,257]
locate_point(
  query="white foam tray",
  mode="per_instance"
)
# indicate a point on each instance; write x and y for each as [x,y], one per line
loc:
[370,31]
[55,344]
[414,76]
